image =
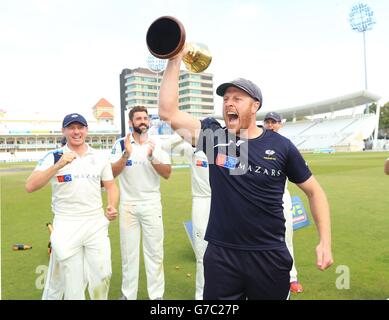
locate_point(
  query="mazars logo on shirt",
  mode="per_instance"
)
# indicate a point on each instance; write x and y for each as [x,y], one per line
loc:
[89,176]
[64,178]
[69,177]
[256,169]
[225,161]
[133,163]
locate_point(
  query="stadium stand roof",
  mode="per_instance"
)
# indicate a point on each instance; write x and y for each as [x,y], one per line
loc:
[330,105]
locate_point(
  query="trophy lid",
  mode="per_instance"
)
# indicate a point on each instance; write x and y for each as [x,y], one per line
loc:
[165,37]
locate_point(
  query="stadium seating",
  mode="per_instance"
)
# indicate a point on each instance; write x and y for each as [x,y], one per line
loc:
[21,140]
[346,133]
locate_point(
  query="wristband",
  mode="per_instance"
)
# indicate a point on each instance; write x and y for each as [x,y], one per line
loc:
[150,158]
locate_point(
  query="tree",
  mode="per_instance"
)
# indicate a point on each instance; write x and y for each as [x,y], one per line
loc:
[372,108]
[384,115]
[384,118]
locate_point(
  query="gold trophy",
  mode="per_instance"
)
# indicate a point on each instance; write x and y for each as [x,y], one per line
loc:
[166,38]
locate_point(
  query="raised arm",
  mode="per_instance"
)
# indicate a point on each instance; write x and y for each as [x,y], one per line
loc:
[321,214]
[118,166]
[39,179]
[161,166]
[183,123]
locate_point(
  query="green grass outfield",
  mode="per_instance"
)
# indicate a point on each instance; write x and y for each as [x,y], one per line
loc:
[357,190]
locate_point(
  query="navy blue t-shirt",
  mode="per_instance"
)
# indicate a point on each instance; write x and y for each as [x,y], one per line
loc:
[247,179]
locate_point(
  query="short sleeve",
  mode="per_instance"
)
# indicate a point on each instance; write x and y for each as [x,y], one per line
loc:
[206,138]
[210,123]
[46,162]
[106,173]
[188,150]
[297,169]
[116,151]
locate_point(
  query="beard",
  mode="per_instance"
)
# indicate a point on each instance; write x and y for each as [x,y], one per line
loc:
[139,130]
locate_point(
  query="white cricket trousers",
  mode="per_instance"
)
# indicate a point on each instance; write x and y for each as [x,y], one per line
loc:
[289,238]
[81,244]
[200,216]
[146,218]
[54,283]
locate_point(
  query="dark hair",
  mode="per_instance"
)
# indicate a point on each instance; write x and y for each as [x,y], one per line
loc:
[137,109]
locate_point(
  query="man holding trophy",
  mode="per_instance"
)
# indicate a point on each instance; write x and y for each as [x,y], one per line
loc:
[246,257]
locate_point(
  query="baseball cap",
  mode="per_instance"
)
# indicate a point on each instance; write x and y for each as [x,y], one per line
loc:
[243,84]
[74,117]
[274,116]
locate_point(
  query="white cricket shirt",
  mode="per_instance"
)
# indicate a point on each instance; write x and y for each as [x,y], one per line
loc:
[198,164]
[139,181]
[288,205]
[76,189]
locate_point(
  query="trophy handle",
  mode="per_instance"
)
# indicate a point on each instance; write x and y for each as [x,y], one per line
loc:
[198,57]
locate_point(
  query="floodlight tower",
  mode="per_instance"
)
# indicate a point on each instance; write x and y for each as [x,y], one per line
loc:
[361,20]
[157,66]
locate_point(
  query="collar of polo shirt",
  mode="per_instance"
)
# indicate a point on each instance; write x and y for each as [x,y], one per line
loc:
[89,150]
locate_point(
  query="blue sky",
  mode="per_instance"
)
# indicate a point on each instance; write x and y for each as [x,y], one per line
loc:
[61,56]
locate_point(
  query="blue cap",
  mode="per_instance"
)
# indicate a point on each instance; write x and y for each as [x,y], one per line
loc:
[246,85]
[274,116]
[74,117]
